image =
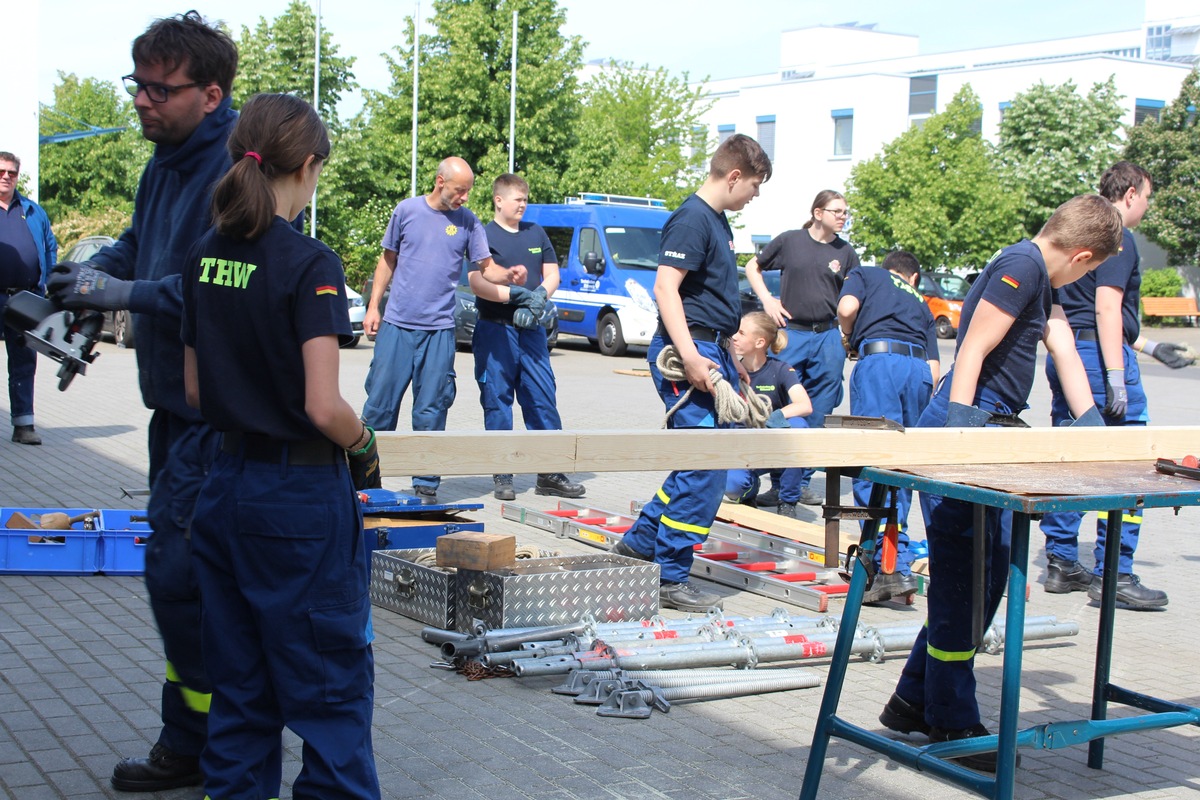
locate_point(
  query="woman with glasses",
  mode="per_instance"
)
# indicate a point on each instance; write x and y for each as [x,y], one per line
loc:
[813,261]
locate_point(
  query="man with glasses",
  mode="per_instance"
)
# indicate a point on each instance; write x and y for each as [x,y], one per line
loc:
[28,250]
[813,262]
[181,84]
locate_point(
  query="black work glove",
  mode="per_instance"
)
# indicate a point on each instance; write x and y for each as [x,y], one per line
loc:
[76,286]
[524,318]
[962,416]
[364,465]
[1089,419]
[1116,396]
[537,301]
[519,295]
[1169,353]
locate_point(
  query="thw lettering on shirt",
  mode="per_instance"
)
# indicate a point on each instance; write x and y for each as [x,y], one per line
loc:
[222,272]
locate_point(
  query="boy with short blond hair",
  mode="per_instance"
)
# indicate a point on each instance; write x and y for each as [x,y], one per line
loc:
[1011,306]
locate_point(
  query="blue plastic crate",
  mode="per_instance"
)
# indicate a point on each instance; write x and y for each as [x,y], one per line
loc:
[69,552]
[121,546]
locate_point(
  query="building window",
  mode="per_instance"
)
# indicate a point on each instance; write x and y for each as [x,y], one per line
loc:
[759,240]
[1158,43]
[1004,107]
[977,125]
[922,94]
[724,132]
[766,134]
[843,131]
[1144,109]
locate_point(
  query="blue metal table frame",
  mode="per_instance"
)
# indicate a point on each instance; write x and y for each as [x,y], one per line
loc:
[1029,491]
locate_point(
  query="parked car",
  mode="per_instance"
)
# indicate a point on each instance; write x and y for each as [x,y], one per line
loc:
[944,293]
[465,312]
[750,301]
[358,310]
[117,324]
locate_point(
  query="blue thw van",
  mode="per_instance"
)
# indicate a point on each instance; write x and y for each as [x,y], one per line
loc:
[607,248]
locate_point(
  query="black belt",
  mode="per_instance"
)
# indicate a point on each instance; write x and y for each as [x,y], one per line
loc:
[811,327]
[700,334]
[892,347]
[1087,335]
[303,453]
[497,320]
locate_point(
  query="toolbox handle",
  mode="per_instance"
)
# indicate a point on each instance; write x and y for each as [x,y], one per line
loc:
[478,594]
[406,583]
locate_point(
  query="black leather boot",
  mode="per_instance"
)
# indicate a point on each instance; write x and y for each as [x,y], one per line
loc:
[162,769]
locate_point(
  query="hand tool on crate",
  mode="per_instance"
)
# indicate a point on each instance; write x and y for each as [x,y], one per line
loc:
[862,423]
[50,521]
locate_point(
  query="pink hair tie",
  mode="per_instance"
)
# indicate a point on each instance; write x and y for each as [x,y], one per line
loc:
[254,155]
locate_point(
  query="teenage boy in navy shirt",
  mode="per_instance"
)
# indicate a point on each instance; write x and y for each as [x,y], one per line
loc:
[887,322]
[1102,308]
[509,344]
[1010,307]
[699,310]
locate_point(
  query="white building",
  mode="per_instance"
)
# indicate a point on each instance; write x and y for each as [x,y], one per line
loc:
[819,114]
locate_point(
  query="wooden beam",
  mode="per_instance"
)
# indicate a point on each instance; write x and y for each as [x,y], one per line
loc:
[488,452]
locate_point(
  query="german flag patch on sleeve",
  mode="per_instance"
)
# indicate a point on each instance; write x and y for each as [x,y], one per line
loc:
[1011,281]
[326,290]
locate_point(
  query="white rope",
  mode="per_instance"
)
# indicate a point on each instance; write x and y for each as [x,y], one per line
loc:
[748,408]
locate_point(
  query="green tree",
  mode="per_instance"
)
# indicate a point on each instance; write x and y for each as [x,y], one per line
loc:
[936,192]
[640,134]
[465,75]
[279,57]
[1169,149]
[1055,143]
[97,173]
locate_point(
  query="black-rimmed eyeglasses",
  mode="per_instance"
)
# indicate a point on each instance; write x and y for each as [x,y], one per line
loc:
[157,92]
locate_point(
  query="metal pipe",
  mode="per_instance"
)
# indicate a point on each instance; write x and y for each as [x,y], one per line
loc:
[438,635]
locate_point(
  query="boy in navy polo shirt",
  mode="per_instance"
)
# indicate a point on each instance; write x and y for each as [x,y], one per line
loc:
[509,344]
[697,295]
[1010,308]
[887,322]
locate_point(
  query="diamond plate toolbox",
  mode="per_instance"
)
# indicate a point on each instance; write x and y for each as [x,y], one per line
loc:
[556,591]
[423,593]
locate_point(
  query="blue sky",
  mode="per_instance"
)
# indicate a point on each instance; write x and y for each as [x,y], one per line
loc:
[717,38]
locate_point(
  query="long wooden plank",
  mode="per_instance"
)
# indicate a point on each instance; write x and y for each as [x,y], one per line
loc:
[487,452]
[768,522]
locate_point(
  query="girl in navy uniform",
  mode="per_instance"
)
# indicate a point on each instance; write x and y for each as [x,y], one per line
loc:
[277,536]
[757,338]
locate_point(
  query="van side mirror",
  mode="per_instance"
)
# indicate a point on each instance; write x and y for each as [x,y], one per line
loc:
[592,263]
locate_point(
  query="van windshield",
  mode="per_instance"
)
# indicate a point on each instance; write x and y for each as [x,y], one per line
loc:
[634,247]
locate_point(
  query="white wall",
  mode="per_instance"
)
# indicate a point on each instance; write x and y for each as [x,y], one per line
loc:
[19,119]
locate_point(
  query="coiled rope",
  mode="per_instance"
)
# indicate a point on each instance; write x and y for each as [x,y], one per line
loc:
[740,406]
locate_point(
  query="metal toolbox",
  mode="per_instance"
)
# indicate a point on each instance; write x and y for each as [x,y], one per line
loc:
[423,593]
[557,591]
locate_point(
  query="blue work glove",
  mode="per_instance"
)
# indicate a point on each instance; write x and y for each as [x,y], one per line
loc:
[778,420]
[75,286]
[537,301]
[549,313]
[1089,419]
[961,416]
[518,295]
[1168,353]
[524,318]
[1116,396]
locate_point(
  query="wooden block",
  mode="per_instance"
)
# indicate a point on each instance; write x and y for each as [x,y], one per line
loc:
[20,520]
[476,550]
[797,530]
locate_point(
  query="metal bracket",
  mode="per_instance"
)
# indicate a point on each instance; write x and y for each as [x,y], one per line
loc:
[406,583]
[863,423]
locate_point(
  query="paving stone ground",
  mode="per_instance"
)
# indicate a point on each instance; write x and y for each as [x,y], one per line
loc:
[80,660]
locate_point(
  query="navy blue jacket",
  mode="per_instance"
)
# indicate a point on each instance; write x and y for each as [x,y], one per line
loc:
[170,212]
[43,237]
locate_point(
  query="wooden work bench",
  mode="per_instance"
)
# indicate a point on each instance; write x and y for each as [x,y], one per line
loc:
[1027,490]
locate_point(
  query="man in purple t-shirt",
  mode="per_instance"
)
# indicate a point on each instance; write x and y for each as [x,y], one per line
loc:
[423,250]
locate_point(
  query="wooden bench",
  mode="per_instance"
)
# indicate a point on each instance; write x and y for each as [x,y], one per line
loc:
[1170,307]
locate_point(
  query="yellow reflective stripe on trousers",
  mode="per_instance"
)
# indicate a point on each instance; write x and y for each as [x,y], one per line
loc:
[1132,519]
[699,530]
[950,655]
[196,701]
